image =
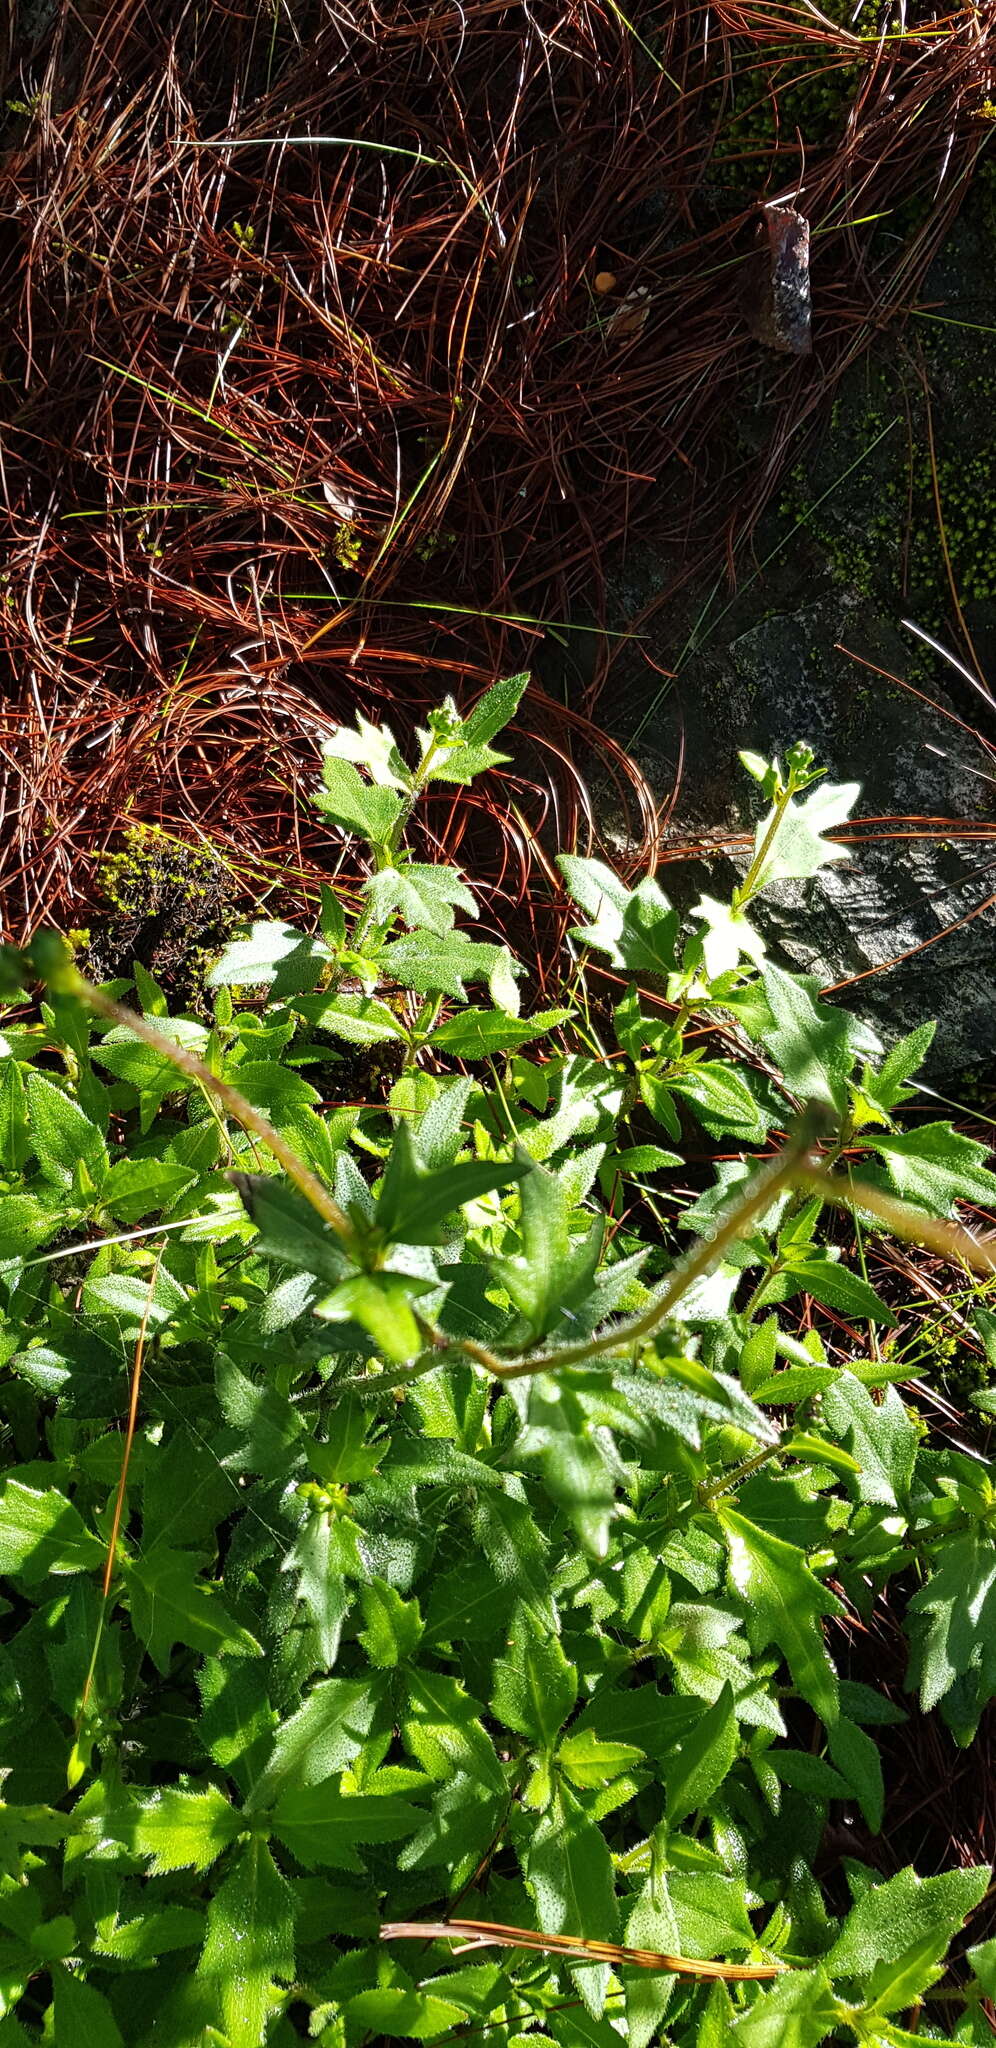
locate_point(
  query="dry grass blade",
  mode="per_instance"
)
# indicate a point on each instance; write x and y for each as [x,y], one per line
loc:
[77,1763]
[487,1933]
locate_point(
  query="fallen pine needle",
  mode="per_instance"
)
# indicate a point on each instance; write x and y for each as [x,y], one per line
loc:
[488,1933]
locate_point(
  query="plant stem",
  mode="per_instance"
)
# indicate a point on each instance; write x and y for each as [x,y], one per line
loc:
[755,1301]
[950,1240]
[728,1480]
[749,884]
[187,1062]
[778,1173]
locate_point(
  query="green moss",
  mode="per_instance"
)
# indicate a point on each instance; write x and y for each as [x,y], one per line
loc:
[946,1362]
[804,87]
[171,905]
[879,530]
[432,542]
[347,545]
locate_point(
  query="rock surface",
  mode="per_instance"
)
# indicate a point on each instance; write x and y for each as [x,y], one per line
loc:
[771,670]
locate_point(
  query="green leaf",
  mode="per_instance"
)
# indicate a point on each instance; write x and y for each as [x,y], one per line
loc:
[953,1619]
[400,2014]
[434,965]
[797,2012]
[275,955]
[589,1762]
[479,1034]
[868,1708]
[317,1564]
[415,1199]
[26,1221]
[573,2027]
[332,919]
[422,895]
[554,1271]
[723,1102]
[83,2018]
[463,764]
[393,1626]
[138,1941]
[61,1135]
[728,937]
[175,1828]
[785,1606]
[934,1167]
[694,1771]
[882,1436]
[354,805]
[808,1039]
[140,1187]
[637,928]
[249,1949]
[805,1773]
[857,1759]
[982,1959]
[493,711]
[711,1913]
[640,1030]
[375,748]
[148,991]
[516,1550]
[637,1160]
[568,1870]
[360,1020]
[319,1824]
[289,1228]
[268,1425]
[461,1826]
[535,1688]
[439,1130]
[651,1924]
[132,1303]
[345,1454]
[820,1274]
[797,848]
[887,1088]
[757,1359]
[381,1304]
[322,1738]
[170,1604]
[14,1138]
[832,1284]
[565,1443]
[285,1097]
[442,1729]
[890,1920]
[764,772]
[42,1532]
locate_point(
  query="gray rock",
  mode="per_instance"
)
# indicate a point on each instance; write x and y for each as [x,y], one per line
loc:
[881,922]
[907,921]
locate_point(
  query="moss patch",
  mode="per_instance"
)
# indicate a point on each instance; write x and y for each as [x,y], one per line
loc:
[171,905]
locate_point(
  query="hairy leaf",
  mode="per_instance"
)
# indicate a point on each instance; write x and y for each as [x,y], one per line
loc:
[785,1606]
[249,1947]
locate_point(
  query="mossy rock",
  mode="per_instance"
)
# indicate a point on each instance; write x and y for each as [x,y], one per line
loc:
[170,903]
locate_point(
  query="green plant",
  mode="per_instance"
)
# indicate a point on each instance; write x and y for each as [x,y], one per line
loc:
[394,1529]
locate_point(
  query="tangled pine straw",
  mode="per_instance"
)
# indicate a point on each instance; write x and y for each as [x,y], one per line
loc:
[313,382]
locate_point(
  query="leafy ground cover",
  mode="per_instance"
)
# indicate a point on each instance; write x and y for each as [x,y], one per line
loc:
[412,1513]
